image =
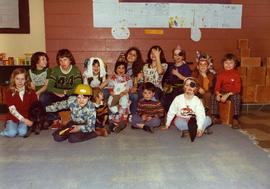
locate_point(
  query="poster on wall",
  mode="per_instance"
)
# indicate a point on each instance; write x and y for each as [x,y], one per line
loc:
[161,14]
[9,14]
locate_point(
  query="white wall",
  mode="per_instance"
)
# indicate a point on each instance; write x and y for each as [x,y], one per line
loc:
[16,45]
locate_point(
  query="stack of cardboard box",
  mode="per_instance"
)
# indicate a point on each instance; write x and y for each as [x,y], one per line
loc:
[255,77]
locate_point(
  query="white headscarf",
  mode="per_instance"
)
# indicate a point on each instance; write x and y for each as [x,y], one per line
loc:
[89,71]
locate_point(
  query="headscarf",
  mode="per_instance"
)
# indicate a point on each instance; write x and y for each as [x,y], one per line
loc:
[89,71]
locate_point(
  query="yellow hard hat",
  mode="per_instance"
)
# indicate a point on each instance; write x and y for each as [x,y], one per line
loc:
[83,89]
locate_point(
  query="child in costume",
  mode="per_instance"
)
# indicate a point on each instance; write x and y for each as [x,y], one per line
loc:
[101,106]
[174,77]
[228,87]
[149,111]
[39,72]
[83,117]
[119,85]
[95,74]
[185,106]
[19,98]
[206,80]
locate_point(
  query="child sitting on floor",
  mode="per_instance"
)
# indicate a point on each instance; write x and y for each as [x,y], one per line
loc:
[101,108]
[185,106]
[83,115]
[149,110]
[19,97]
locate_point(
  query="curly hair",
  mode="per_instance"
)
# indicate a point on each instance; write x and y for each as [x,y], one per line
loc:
[35,58]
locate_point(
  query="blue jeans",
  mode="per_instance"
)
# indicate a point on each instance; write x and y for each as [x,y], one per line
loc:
[154,122]
[182,124]
[134,97]
[48,98]
[13,128]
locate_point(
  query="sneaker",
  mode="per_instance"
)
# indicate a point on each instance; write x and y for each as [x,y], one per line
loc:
[235,124]
[148,129]
[130,118]
[56,124]
[122,125]
[2,133]
[133,127]
[208,131]
[216,121]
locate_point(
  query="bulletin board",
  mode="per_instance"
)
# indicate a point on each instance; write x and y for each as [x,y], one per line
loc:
[121,16]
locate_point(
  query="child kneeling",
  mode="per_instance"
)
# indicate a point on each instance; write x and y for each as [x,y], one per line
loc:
[149,110]
[83,115]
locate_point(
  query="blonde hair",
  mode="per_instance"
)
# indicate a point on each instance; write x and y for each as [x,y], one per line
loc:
[12,85]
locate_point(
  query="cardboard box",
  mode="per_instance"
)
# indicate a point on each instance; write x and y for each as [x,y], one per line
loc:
[268,62]
[242,43]
[226,112]
[245,52]
[263,94]
[251,61]
[267,80]
[242,71]
[256,76]
[248,94]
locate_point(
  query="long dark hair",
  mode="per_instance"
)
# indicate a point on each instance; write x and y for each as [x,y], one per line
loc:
[162,56]
[137,66]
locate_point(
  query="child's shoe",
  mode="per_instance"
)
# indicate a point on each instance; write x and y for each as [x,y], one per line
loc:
[122,125]
[56,124]
[2,133]
[148,129]
[101,132]
[236,124]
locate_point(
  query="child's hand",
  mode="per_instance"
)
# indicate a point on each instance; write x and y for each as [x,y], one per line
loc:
[225,97]
[28,122]
[164,127]
[140,75]
[75,129]
[133,89]
[218,97]
[199,133]
[148,118]
[144,117]
[201,91]
[175,72]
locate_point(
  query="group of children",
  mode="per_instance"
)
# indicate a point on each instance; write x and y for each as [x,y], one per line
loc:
[142,93]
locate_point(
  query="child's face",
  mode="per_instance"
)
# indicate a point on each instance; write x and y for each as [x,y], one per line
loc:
[42,62]
[96,69]
[132,56]
[203,66]
[177,58]
[20,80]
[152,54]
[120,70]
[100,96]
[82,100]
[229,64]
[64,63]
[147,94]
[190,87]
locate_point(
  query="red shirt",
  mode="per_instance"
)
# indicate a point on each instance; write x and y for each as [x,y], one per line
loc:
[21,106]
[228,81]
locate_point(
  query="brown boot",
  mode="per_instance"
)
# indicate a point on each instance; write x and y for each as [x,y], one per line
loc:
[101,132]
[236,124]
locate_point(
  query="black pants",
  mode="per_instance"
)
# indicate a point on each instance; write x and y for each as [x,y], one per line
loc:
[73,137]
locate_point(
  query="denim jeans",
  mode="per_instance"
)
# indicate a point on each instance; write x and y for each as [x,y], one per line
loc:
[134,97]
[13,128]
[154,122]
[182,124]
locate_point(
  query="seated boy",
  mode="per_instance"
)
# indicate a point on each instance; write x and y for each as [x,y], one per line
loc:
[83,115]
[149,110]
